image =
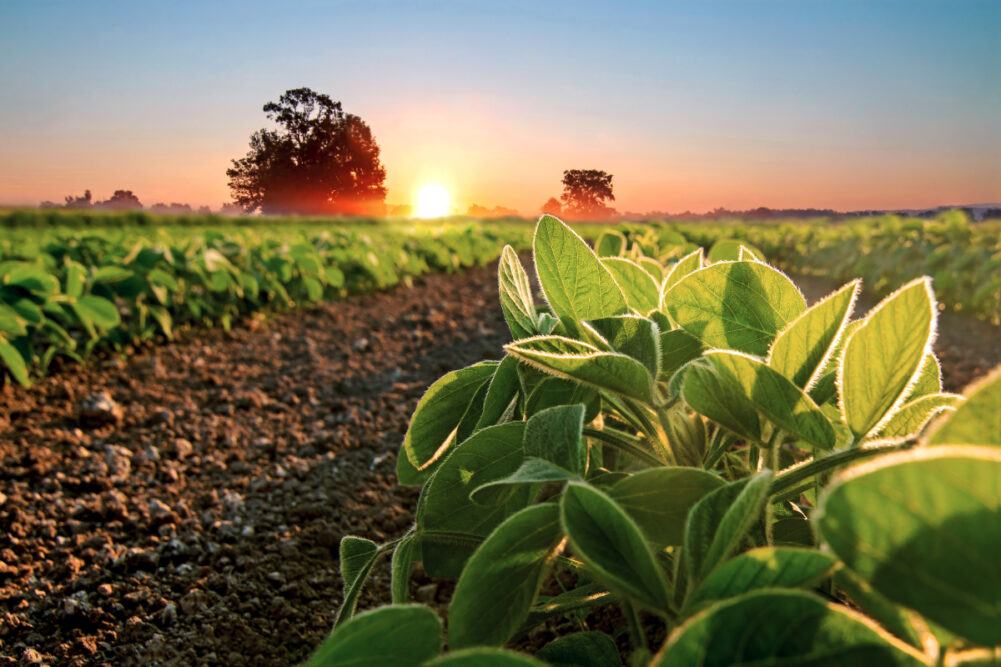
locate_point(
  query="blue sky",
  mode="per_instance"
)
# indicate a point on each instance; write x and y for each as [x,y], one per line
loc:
[690,104]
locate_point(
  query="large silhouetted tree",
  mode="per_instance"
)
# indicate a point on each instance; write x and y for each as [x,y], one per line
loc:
[320,160]
[585,192]
[552,207]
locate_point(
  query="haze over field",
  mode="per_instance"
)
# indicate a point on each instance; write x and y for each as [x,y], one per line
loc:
[690,105]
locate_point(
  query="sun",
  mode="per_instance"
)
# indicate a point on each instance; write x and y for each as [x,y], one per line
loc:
[432,202]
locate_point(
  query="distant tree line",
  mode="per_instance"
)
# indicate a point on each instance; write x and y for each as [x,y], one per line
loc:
[126,200]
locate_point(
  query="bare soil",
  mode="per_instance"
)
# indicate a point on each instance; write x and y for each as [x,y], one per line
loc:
[200,523]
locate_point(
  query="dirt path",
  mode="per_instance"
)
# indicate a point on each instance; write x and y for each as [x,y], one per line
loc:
[202,527]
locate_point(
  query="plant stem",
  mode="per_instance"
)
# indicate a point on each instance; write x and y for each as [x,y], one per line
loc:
[770,507]
[625,443]
[794,475]
[635,627]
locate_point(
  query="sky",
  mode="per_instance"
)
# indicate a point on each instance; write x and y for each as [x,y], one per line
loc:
[690,105]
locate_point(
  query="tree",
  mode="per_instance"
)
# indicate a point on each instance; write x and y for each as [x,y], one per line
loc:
[585,192]
[320,160]
[79,202]
[121,200]
[552,207]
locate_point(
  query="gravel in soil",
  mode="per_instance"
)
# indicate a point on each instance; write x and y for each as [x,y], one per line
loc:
[185,506]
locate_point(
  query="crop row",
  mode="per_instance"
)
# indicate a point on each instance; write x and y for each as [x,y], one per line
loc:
[963,258]
[64,295]
[682,459]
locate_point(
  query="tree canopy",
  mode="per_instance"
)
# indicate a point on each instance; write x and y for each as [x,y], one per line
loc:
[585,192]
[319,160]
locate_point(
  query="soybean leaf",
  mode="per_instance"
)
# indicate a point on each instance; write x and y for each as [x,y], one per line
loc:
[502,394]
[912,416]
[76,274]
[717,398]
[576,284]
[924,529]
[403,558]
[782,402]
[677,348]
[612,545]
[659,499]
[98,310]
[929,380]
[978,420]
[11,322]
[764,567]
[883,356]
[490,454]
[684,266]
[735,305]
[435,421]
[392,636]
[554,434]
[581,649]
[728,250]
[14,362]
[801,350]
[634,336]
[357,555]
[876,606]
[656,271]
[533,470]
[610,243]
[484,657]
[641,291]
[516,295]
[575,360]
[554,391]
[502,578]
[770,626]
[719,521]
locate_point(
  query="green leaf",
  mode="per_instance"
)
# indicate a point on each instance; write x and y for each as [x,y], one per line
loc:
[502,578]
[782,402]
[552,391]
[656,271]
[76,274]
[677,348]
[610,243]
[929,379]
[783,627]
[612,545]
[912,416]
[719,521]
[576,284]
[924,529]
[161,278]
[764,567]
[502,394]
[516,295]
[581,649]
[14,362]
[11,323]
[978,420]
[640,289]
[357,556]
[27,310]
[688,264]
[801,350]
[393,636]
[403,558]
[716,397]
[575,360]
[634,336]
[490,454]
[484,657]
[659,499]
[98,310]
[111,274]
[554,434]
[735,305]
[532,471]
[728,250]
[883,356]
[436,419]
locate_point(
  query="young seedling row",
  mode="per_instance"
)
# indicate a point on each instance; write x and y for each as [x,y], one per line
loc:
[749,479]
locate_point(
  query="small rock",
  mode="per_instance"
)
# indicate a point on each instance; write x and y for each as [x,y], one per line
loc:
[162,416]
[31,657]
[168,615]
[426,593]
[99,409]
[181,448]
[105,589]
[158,510]
[360,345]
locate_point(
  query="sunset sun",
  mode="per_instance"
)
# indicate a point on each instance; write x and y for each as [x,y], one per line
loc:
[432,202]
